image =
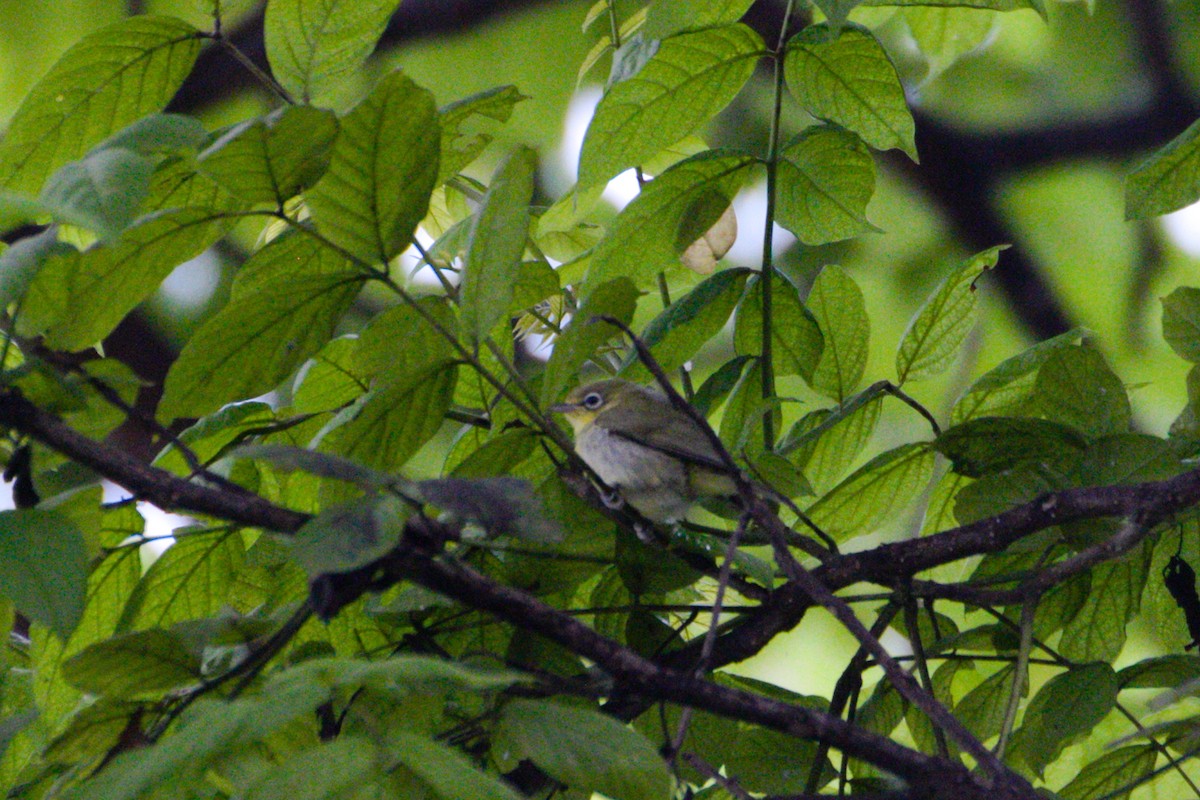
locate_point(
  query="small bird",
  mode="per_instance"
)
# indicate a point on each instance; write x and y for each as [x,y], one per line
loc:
[656,456]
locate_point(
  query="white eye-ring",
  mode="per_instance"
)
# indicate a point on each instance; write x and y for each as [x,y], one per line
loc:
[593,400]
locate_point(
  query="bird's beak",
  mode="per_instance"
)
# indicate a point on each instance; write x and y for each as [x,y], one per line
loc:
[564,408]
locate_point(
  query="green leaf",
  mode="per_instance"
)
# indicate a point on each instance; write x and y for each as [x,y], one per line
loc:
[214,433]
[1125,766]
[210,729]
[157,134]
[20,263]
[349,764]
[350,535]
[1067,706]
[450,774]
[1005,389]
[678,333]
[398,675]
[668,17]
[330,379]
[945,34]
[497,238]
[191,580]
[78,298]
[672,211]
[581,339]
[384,166]
[840,311]
[313,44]
[993,444]
[935,335]
[1077,387]
[401,340]
[389,424]
[875,492]
[107,80]
[101,192]
[825,179]
[1166,181]
[745,410]
[1160,672]
[134,665]
[982,708]
[844,76]
[1097,631]
[994,5]
[796,338]
[586,750]
[1181,322]
[272,158]
[460,146]
[691,78]
[43,567]
[825,443]
[287,306]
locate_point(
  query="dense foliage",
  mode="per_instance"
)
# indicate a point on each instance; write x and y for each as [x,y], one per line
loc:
[400,580]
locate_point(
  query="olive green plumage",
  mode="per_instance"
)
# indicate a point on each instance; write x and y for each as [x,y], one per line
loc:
[641,445]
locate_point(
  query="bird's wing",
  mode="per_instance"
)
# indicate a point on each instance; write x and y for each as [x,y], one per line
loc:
[674,434]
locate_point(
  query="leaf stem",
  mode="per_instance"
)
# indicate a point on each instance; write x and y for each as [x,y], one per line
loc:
[768,266]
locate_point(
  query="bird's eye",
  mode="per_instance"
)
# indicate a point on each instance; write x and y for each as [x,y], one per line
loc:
[593,400]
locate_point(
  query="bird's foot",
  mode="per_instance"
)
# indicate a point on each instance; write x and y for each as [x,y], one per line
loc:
[612,499]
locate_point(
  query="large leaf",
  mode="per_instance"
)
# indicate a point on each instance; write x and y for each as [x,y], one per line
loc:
[311,44]
[796,338]
[840,311]
[497,239]
[685,83]
[1067,706]
[192,580]
[387,426]
[286,307]
[586,750]
[270,159]
[1097,632]
[349,765]
[404,339]
[1077,387]
[43,567]
[995,444]
[875,492]
[1125,766]
[1006,388]
[1181,322]
[449,773]
[675,335]
[350,535]
[78,298]
[135,665]
[825,179]
[844,76]
[826,442]
[667,18]
[384,166]
[982,708]
[1166,181]
[935,336]
[109,79]
[671,212]
[101,192]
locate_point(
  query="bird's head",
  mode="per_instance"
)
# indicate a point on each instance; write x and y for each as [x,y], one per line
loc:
[584,403]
